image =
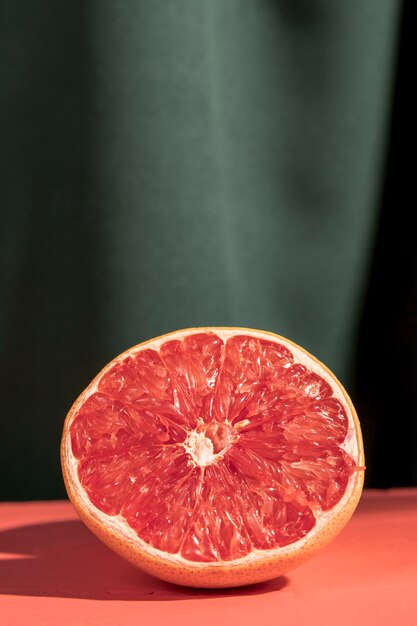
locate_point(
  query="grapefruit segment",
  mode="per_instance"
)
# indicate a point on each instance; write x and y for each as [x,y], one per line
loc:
[214,457]
[139,376]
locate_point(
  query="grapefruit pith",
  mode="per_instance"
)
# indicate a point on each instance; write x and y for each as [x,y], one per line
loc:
[214,457]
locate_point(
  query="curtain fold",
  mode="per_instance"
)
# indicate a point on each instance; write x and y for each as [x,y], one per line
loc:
[180,164]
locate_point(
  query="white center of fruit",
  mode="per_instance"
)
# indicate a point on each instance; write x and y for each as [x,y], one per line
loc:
[209,443]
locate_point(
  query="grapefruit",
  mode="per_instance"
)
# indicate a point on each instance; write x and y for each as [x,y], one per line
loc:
[214,457]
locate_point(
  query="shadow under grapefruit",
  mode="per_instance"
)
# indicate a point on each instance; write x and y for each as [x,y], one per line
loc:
[63,559]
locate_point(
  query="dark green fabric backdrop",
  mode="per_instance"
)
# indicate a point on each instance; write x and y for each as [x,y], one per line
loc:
[172,164]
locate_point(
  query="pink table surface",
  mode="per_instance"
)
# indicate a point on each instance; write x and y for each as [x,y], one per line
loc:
[53,571]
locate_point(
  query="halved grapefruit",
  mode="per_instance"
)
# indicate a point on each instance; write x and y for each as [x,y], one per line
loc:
[214,457]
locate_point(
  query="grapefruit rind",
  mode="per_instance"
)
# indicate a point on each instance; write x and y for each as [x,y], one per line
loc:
[258,565]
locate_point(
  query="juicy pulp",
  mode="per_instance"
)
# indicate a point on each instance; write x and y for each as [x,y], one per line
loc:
[211,447]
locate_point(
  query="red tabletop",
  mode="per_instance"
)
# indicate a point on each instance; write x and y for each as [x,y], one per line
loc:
[53,571]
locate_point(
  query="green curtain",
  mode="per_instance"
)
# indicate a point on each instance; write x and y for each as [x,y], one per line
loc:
[173,164]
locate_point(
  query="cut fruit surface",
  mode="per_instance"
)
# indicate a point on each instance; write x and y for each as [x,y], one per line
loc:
[214,457]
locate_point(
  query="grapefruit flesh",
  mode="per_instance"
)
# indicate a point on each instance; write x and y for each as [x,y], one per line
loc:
[214,457]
